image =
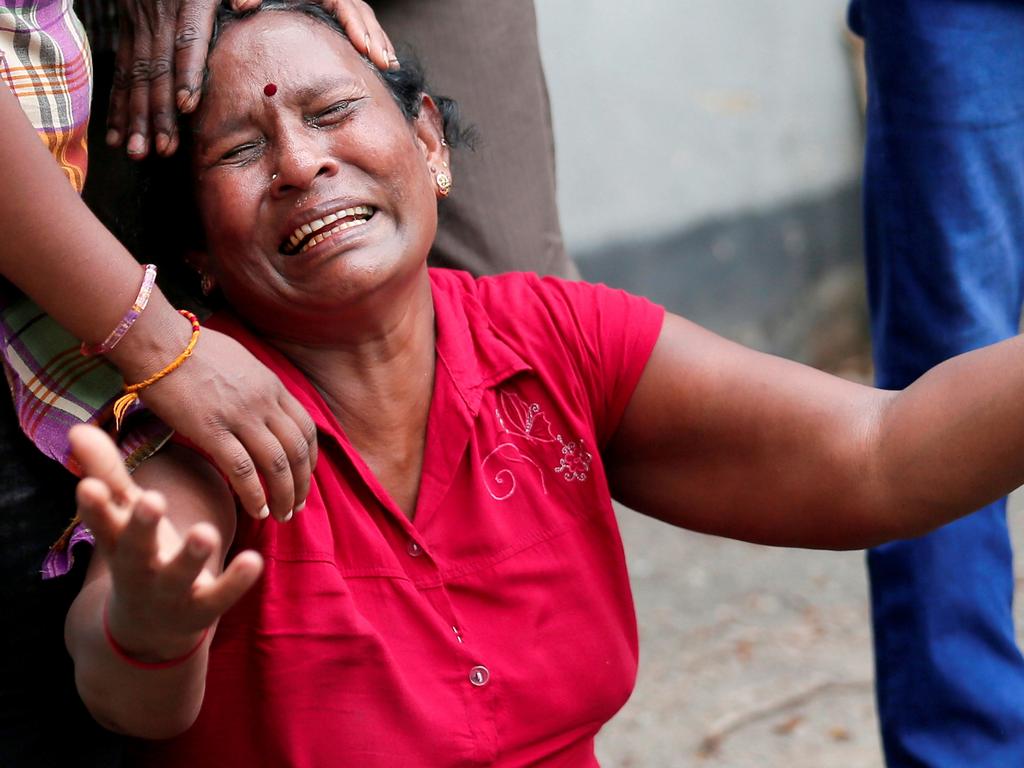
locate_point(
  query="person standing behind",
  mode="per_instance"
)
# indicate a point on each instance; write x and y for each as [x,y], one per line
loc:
[944,238]
[485,55]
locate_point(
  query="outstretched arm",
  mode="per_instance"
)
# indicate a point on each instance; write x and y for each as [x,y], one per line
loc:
[725,440]
[155,586]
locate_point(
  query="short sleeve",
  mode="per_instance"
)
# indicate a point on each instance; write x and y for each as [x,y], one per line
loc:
[615,334]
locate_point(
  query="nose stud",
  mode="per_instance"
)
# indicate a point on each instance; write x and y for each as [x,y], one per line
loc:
[273,177]
[269,89]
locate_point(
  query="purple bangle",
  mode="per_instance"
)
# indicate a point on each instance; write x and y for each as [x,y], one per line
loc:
[129,317]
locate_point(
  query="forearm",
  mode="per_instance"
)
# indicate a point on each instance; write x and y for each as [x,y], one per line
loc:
[62,257]
[954,440]
[146,703]
[724,440]
[141,627]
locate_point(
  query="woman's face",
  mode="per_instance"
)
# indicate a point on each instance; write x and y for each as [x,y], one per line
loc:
[314,189]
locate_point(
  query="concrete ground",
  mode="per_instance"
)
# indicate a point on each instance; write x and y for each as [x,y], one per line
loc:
[751,657]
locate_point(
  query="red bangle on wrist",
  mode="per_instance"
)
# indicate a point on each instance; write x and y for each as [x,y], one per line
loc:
[127,658]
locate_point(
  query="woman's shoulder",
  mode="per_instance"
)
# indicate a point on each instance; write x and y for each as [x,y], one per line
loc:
[459,280]
[551,319]
[577,337]
[521,299]
[512,291]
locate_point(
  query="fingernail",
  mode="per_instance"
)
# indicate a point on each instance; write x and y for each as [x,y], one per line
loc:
[394,65]
[192,101]
[162,140]
[145,515]
[264,512]
[113,138]
[301,507]
[287,517]
[136,144]
[197,549]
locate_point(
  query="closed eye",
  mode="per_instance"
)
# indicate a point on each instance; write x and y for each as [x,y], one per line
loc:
[341,106]
[334,113]
[242,153]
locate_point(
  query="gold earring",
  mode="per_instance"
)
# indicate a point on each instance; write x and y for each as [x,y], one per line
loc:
[444,183]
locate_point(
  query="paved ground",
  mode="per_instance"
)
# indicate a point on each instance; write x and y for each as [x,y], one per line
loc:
[750,656]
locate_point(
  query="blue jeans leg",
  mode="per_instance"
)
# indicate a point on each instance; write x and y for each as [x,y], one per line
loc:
[950,680]
[944,238]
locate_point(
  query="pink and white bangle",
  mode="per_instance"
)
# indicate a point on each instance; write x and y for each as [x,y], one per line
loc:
[133,313]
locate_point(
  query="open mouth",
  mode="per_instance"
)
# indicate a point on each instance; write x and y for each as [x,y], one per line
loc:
[315,232]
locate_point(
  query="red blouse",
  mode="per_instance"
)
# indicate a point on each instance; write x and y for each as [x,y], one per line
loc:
[496,627]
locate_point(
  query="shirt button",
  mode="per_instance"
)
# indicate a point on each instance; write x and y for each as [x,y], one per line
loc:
[479,676]
[414,549]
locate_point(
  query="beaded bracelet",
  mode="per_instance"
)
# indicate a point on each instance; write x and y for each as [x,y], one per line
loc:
[131,391]
[133,313]
[121,653]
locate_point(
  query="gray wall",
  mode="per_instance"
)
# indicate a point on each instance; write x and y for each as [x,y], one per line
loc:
[708,156]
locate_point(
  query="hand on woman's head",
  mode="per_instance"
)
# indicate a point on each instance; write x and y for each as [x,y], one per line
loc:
[161,56]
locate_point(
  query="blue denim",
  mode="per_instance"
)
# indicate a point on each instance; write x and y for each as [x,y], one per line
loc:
[944,239]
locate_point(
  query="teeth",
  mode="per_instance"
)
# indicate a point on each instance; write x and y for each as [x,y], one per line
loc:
[317,239]
[308,229]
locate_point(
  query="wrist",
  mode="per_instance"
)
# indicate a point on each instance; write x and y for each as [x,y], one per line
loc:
[128,319]
[137,650]
[157,337]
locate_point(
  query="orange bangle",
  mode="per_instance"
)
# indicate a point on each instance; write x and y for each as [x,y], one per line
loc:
[131,396]
[126,657]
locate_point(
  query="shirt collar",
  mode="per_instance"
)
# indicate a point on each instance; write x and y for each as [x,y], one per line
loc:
[468,346]
[471,354]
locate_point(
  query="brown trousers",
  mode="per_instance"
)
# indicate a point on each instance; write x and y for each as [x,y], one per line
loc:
[502,214]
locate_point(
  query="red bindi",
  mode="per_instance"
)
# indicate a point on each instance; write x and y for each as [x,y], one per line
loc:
[270,89]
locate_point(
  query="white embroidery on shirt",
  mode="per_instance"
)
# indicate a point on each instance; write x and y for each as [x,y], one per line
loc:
[526,421]
[575,462]
[507,452]
[523,420]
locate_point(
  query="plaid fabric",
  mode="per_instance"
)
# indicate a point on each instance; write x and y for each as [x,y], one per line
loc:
[45,60]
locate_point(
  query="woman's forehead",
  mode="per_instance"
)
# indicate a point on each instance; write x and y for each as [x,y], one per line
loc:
[299,56]
[285,42]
